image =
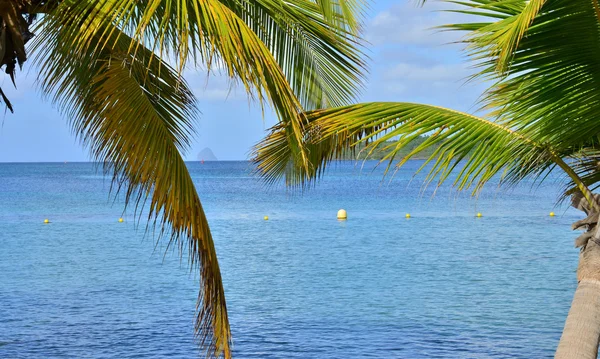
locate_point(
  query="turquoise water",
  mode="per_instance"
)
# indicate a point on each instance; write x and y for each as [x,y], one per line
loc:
[442,284]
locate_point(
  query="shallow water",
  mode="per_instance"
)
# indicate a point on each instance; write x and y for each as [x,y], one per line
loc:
[442,284]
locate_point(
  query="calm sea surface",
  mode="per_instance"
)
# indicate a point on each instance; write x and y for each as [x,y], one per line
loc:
[443,284]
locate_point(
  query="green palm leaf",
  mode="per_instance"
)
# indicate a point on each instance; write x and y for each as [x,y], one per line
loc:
[551,78]
[105,64]
[544,89]
[550,73]
[314,46]
[475,148]
[318,55]
[503,36]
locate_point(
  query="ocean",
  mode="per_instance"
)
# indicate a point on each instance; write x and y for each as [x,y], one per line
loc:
[442,284]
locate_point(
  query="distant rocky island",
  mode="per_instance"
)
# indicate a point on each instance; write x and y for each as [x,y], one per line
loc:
[356,154]
[207,155]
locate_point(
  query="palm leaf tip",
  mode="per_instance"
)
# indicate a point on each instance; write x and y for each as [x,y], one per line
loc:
[277,157]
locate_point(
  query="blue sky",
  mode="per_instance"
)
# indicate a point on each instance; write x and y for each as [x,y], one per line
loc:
[409,62]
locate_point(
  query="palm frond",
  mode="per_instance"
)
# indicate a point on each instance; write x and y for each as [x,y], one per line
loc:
[15,20]
[275,160]
[314,45]
[547,78]
[504,35]
[551,74]
[544,88]
[586,163]
[475,148]
[551,83]
[319,55]
[135,114]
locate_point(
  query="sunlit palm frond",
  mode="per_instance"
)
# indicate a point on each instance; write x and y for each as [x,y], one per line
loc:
[554,75]
[498,40]
[136,117]
[474,148]
[318,53]
[551,76]
[343,14]
[275,160]
[263,45]
[320,57]
[544,87]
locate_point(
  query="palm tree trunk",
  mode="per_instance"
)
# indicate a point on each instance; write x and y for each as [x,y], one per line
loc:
[582,328]
[581,335]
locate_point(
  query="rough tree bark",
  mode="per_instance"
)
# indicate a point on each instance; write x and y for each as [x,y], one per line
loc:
[581,334]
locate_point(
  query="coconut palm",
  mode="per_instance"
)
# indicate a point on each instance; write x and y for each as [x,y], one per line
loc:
[542,59]
[115,70]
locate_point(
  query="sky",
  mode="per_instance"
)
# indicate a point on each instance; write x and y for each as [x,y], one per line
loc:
[409,62]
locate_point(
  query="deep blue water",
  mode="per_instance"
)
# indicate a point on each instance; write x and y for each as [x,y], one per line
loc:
[443,284]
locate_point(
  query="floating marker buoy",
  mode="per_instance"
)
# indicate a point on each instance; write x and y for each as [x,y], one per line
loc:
[120,220]
[479,214]
[407,215]
[266,218]
[46,221]
[551,214]
[342,214]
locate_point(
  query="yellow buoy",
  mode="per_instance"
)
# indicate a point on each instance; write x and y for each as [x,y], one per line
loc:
[120,220]
[551,214]
[342,214]
[479,214]
[266,218]
[407,215]
[46,221]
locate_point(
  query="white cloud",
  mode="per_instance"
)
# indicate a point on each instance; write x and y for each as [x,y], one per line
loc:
[435,81]
[25,84]
[441,73]
[410,62]
[214,87]
[412,25]
[214,94]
